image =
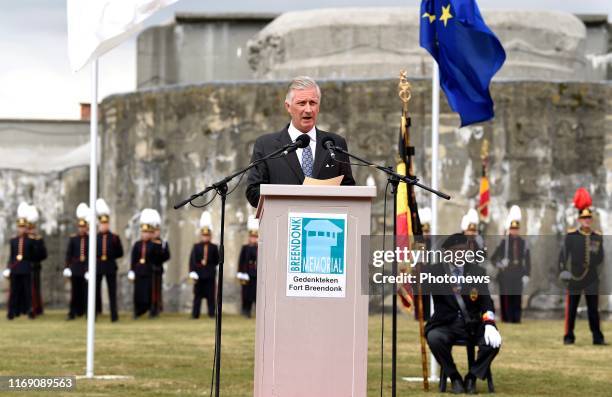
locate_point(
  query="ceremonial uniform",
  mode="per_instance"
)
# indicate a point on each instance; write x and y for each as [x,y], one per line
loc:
[77,254]
[109,249]
[582,255]
[144,256]
[462,311]
[41,255]
[21,258]
[204,260]
[157,301]
[513,252]
[247,264]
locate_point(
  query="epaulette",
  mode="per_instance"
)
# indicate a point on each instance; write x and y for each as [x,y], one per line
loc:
[572,230]
[73,235]
[597,232]
[157,241]
[34,236]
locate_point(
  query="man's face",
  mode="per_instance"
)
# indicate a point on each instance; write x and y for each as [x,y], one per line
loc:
[21,230]
[252,240]
[103,227]
[304,108]
[156,233]
[585,222]
[206,238]
[146,236]
[83,229]
[470,232]
[514,232]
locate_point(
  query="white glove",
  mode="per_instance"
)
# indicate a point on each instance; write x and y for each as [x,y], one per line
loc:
[525,280]
[131,275]
[67,272]
[503,263]
[194,276]
[565,275]
[87,276]
[492,336]
[6,273]
[243,276]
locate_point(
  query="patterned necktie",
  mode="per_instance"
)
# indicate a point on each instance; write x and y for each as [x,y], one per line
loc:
[457,288]
[307,161]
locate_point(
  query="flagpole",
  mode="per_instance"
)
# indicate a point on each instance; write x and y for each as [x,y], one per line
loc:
[435,124]
[93,192]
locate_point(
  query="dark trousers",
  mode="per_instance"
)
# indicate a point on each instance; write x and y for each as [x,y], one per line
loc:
[510,308]
[142,294]
[572,300]
[20,295]
[249,294]
[37,303]
[78,296]
[203,288]
[111,284]
[156,294]
[441,340]
[426,307]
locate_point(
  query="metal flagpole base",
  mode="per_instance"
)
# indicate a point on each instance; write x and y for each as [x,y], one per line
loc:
[419,379]
[106,377]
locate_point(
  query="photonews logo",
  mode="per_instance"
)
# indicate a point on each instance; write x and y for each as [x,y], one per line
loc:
[316,247]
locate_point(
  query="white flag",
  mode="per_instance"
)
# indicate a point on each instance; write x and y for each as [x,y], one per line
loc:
[97,26]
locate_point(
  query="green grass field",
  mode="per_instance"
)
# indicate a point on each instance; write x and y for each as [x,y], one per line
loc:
[172,356]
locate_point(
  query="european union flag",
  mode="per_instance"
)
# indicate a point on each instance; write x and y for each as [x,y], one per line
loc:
[468,55]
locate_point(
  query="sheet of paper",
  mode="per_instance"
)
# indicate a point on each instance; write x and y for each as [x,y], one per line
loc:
[324,182]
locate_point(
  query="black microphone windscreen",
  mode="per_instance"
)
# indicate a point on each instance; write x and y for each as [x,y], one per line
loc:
[302,141]
[326,141]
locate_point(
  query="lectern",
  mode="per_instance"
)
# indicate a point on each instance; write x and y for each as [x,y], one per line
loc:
[312,317]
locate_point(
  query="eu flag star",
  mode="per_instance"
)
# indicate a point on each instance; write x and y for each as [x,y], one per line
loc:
[446,14]
[431,17]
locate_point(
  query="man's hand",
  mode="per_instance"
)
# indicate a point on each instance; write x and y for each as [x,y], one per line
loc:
[194,276]
[6,273]
[67,272]
[492,336]
[131,275]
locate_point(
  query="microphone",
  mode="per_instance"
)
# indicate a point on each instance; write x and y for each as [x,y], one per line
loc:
[330,145]
[300,143]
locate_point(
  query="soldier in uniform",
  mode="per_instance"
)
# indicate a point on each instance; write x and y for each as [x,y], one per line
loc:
[247,268]
[462,311]
[469,227]
[203,263]
[19,268]
[157,301]
[513,260]
[41,249]
[77,265]
[109,249]
[579,262]
[145,253]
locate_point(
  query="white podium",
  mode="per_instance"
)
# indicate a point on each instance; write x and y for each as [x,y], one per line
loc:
[312,318]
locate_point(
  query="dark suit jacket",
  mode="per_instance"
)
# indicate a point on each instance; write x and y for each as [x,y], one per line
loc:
[475,296]
[286,170]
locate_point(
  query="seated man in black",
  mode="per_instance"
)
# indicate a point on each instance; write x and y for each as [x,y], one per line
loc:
[463,310]
[302,104]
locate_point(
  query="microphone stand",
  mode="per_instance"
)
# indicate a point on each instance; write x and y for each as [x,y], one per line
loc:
[394,179]
[221,188]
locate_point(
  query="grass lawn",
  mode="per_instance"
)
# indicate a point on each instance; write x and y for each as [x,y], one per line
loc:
[172,356]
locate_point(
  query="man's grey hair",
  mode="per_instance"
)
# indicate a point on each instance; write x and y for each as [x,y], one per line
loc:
[301,83]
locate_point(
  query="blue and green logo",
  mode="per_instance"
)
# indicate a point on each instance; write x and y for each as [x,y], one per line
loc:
[317,244]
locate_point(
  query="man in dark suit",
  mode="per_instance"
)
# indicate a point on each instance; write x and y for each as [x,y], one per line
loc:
[462,311]
[302,104]
[203,263]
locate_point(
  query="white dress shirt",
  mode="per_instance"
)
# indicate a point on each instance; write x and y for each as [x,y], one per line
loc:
[294,133]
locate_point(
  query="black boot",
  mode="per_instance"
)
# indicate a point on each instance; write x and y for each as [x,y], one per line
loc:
[457,386]
[470,384]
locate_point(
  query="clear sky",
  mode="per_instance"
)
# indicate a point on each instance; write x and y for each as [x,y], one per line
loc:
[36,81]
